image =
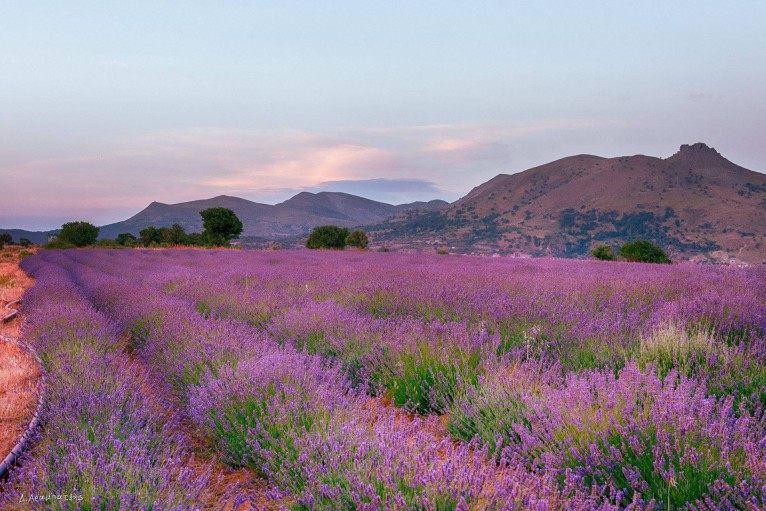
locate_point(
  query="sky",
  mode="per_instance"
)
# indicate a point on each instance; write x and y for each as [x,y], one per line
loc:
[106,106]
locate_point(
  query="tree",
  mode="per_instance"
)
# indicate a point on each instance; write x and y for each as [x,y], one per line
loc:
[78,234]
[5,239]
[175,235]
[195,239]
[327,236]
[642,251]
[357,238]
[25,243]
[221,226]
[603,252]
[149,235]
[126,239]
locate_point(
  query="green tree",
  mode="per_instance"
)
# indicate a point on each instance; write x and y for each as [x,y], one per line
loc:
[357,238]
[25,243]
[5,239]
[642,251]
[78,234]
[175,235]
[195,239]
[149,235]
[327,236]
[126,239]
[221,226]
[603,252]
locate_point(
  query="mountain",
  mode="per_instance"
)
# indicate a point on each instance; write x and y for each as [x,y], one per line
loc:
[696,204]
[294,217]
[38,237]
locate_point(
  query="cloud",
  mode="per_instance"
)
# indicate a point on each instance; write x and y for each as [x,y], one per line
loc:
[270,166]
[393,191]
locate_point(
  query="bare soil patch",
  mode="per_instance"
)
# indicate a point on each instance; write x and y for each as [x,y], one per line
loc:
[19,378]
[19,372]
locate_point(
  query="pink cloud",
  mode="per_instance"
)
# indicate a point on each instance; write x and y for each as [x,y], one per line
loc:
[179,165]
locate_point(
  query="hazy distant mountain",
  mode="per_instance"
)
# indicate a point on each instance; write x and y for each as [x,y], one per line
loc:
[295,216]
[694,203]
[38,237]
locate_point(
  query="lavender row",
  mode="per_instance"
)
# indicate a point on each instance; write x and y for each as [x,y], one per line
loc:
[102,447]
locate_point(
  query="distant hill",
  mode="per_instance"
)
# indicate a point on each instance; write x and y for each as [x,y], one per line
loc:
[696,204]
[294,217]
[38,237]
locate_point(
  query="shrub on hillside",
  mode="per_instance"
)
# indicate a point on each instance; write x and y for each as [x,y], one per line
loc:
[357,238]
[603,252]
[642,251]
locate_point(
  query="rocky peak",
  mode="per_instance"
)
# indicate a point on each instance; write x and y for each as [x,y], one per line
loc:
[698,152]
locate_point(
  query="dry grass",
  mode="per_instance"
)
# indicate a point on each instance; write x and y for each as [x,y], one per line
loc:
[19,376]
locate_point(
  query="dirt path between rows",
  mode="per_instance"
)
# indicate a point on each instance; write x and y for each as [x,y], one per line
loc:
[229,488]
[19,372]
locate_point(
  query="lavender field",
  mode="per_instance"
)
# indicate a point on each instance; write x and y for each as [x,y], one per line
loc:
[366,381]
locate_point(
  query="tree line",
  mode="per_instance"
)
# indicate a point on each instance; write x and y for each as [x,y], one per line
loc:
[220,226]
[639,251]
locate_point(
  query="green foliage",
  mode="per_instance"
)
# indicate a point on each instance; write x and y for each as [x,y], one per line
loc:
[107,243]
[25,243]
[175,235]
[700,472]
[490,415]
[126,239]
[357,238]
[327,236]
[195,239]
[58,244]
[699,354]
[149,235]
[79,234]
[165,236]
[221,226]
[603,252]
[425,380]
[642,251]
[5,239]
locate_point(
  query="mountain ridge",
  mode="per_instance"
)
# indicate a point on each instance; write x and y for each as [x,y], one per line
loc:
[293,217]
[696,203]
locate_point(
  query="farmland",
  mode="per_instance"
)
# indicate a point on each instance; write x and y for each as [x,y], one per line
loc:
[364,381]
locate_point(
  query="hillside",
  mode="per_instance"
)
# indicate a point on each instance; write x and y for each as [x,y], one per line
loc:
[294,217]
[696,204]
